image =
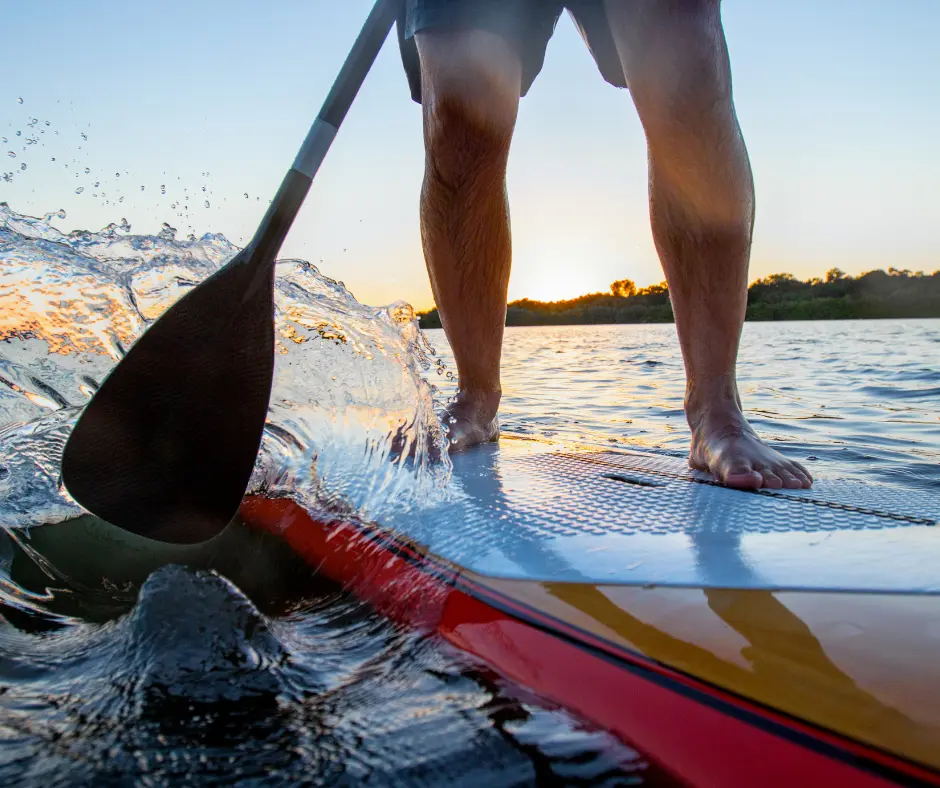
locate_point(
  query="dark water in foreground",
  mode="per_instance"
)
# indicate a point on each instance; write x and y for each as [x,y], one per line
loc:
[195,685]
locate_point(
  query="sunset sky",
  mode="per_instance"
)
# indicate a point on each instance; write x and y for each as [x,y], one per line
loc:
[839,101]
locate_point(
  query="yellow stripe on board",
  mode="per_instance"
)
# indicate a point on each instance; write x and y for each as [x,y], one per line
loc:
[863,665]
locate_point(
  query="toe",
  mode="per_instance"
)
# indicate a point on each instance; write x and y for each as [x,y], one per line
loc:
[741,478]
[805,477]
[770,480]
[790,480]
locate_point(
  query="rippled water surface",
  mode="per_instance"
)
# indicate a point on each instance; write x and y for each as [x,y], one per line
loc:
[857,399]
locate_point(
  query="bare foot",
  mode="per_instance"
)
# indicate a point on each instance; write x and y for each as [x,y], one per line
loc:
[725,445]
[471,420]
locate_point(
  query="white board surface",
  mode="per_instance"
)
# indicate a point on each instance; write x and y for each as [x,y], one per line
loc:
[525,510]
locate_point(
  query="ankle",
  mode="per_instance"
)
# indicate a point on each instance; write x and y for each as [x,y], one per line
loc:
[710,396]
[482,401]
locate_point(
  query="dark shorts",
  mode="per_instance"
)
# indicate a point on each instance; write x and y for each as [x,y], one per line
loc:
[528,24]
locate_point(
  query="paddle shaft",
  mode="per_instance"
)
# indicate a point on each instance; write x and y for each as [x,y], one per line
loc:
[293,189]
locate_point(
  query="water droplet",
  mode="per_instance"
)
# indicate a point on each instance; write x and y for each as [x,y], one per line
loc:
[19,100]
[206,203]
[11,154]
[452,420]
[53,158]
[19,134]
[167,232]
[97,183]
[173,206]
[23,166]
[120,199]
[60,213]
[246,195]
[141,188]
[87,170]
[117,175]
[162,188]
[47,122]
[3,139]
[125,225]
[203,188]
[84,136]
[80,189]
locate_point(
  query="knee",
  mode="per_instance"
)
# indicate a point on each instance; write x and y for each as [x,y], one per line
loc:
[464,140]
[470,98]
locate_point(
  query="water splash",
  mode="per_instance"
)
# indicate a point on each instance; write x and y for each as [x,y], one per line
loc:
[352,421]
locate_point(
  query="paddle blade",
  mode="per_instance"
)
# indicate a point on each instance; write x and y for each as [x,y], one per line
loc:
[166,447]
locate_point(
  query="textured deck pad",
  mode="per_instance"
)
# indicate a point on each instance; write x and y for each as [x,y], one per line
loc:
[637,518]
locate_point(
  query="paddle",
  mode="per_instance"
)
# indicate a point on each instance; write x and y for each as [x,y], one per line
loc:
[166,447]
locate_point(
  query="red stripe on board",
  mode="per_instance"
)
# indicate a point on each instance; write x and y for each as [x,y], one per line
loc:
[766,715]
[343,553]
[693,741]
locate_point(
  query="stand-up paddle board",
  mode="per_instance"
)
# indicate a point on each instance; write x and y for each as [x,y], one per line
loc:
[772,638]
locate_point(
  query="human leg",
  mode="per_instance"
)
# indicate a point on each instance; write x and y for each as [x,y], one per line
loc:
[702,212]
[470,95]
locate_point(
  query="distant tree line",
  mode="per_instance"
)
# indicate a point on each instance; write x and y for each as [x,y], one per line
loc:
[894,293]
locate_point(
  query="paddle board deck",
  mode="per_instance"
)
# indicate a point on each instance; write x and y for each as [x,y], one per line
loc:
[736,638]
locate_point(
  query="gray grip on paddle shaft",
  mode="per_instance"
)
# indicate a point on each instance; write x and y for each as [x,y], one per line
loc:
[347,84]
[313,151]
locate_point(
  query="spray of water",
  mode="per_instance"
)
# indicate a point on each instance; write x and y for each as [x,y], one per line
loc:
[352,423]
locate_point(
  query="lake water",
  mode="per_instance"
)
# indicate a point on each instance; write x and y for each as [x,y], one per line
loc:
[848,399]
[288,679]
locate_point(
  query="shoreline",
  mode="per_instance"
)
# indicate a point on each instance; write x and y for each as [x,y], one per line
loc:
[436,324]
[875,295]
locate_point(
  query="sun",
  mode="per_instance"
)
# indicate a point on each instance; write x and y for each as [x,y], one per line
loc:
[552,280]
